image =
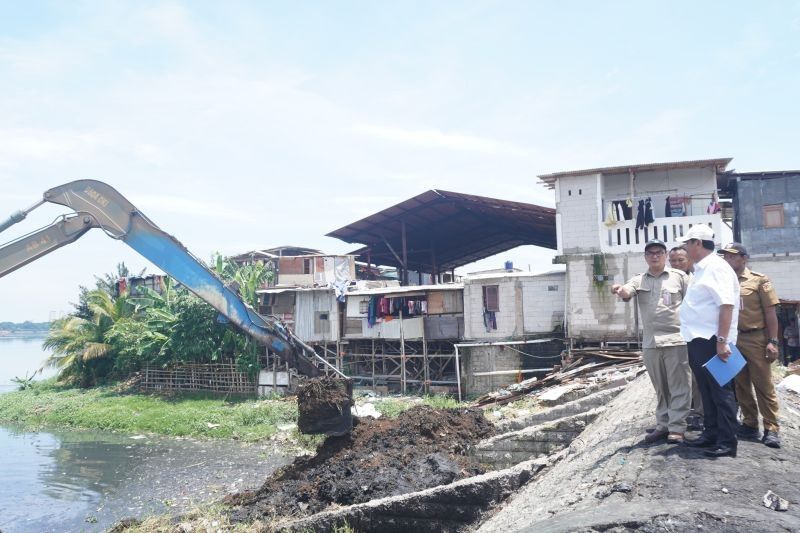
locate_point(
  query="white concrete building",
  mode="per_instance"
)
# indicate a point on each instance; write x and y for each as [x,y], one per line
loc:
[600,249]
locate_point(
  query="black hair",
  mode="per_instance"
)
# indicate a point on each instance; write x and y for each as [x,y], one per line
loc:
[708,245]
[679,248]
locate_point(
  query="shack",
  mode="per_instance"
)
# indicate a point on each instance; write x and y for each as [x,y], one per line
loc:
[513,327]
[402,338]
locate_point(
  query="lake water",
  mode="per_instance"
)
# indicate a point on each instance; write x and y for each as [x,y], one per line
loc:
[21,356]
[63,481]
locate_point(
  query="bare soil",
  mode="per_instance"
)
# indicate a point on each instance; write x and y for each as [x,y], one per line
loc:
[422,448]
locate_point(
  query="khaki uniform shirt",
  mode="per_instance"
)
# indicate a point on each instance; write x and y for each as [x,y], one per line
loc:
[757,294]
[659,299]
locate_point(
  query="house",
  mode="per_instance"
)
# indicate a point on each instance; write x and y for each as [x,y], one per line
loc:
[301,267]
[513,327]
[601,242]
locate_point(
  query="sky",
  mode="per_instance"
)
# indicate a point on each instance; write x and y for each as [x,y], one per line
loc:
[243,125]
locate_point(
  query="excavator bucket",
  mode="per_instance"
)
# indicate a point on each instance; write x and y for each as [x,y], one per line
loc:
[324,405]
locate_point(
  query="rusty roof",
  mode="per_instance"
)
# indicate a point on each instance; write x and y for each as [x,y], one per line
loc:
[720,164]
[460,228]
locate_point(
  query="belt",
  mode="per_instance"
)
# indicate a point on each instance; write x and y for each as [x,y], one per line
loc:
[752,330]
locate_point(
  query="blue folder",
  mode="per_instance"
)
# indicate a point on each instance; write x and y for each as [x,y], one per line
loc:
[724,371]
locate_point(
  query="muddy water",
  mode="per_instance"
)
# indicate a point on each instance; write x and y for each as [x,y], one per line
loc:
[86,481]
[21,357]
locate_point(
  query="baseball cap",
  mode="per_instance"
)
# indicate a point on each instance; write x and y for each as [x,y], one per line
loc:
[655,242]
[733,248]
[701,232]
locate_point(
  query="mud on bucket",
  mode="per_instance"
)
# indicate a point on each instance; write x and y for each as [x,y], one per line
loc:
[324,406]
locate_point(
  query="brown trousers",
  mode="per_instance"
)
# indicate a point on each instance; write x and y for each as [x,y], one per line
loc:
[757,374]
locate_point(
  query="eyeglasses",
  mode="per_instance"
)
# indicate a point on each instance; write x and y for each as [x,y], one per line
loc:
[655,254]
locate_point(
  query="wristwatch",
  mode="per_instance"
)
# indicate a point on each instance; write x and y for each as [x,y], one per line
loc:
[721,340]
[773,342]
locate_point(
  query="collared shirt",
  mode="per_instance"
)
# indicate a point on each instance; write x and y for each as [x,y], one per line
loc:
[757,293]
[659,298]
[714,284]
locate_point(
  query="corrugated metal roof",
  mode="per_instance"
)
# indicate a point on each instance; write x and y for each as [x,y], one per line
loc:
[458,228]
[498,275]
[720,164]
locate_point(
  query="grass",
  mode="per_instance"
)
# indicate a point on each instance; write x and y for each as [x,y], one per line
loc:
[187,415]
[392,407]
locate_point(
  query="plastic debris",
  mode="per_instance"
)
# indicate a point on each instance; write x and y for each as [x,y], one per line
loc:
[775,502]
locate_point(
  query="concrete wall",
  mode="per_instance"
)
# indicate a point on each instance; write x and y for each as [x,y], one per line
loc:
[751,197]
[509,317]
[578,213]
[543,300]
[488,359]
[784,271]
[592,312]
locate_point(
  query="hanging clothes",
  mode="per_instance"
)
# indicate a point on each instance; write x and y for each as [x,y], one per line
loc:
[640,215]
[489,320]
[648,212]
[627,209]
[667,209]
[713,207]
[611,218]
[677,206]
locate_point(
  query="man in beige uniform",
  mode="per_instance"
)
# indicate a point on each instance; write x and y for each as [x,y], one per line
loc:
[660,292]
[679,260]
[758,342]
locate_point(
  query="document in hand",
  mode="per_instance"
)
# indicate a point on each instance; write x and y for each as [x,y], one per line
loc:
[724,371]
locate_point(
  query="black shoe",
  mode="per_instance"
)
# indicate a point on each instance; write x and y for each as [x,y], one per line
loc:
[702,441]
[749,433]
[694,423]
[721,451]
[771,439]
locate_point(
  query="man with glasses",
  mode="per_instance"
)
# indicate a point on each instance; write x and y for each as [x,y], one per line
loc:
[709,317]
[659,292]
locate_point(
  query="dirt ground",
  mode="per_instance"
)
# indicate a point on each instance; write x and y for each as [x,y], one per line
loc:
[422,448]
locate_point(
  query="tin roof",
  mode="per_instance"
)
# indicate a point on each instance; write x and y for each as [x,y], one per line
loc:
[457,228]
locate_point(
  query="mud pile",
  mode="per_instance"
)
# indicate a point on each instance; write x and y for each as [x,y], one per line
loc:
[324,406]
[422,448]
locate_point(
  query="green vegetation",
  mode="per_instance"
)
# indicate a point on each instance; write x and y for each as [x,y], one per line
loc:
[113,332]
[392,407]
[103,408]
[25,328]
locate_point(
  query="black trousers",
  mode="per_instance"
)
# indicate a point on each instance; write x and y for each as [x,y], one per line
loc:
[719,403]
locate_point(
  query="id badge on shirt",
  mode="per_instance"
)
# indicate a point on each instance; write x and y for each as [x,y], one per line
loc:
[666,297]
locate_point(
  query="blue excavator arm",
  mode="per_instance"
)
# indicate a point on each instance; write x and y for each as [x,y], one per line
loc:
[98,205]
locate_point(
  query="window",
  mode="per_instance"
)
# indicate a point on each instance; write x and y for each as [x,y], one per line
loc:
[491,297]
[363,307]
[773,215]
[552,288]
[306,266]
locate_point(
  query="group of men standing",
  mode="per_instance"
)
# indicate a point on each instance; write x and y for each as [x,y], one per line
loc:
[696,309]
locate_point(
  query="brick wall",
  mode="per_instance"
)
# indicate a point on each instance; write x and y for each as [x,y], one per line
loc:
[543,299]
[488,359]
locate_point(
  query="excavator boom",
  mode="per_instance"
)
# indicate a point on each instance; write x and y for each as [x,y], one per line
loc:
[98,205]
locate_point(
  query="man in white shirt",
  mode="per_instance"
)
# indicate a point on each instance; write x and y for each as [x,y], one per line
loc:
[709,316]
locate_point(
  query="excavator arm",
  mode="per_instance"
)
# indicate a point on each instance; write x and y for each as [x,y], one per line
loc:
[98,205]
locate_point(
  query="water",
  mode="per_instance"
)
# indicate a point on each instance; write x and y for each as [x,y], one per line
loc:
[63,481]
[21,356]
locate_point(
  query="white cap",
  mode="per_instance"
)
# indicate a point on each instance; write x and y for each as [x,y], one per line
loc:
[700,232]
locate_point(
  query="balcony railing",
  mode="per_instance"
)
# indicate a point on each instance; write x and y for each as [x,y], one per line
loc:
[624,237]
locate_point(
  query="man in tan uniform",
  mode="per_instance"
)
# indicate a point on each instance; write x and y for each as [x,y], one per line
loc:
[679,260]
[660,291]
[758,342]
